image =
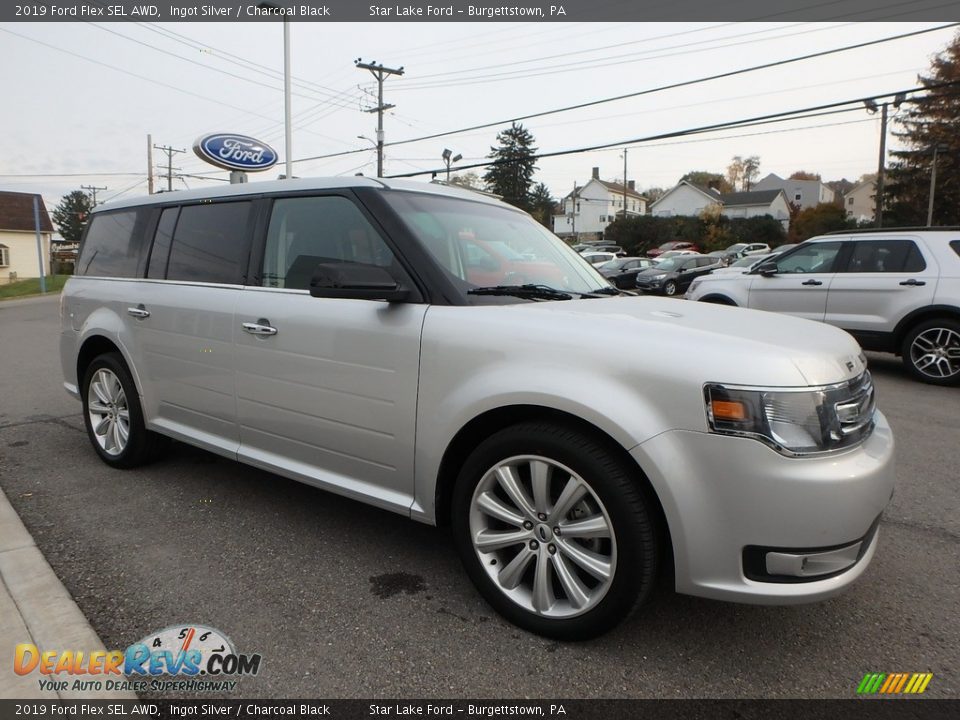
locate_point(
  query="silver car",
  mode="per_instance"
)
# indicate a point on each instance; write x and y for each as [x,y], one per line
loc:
[375,339]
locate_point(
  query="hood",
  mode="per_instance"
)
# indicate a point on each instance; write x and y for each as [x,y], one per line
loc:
[714,343]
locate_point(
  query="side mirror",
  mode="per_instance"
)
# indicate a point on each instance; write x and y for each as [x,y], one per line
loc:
[356,281]
[767,269]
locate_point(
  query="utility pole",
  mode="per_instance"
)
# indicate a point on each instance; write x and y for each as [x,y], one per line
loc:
[380,73]
[93,192]
[881,166]
[170,152]
[149,164]
[937,148]
[624,184]
[573,211]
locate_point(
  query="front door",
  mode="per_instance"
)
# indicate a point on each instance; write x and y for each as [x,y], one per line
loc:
[801,283]
[327,388]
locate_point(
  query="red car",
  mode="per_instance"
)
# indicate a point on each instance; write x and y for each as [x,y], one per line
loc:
[672,245]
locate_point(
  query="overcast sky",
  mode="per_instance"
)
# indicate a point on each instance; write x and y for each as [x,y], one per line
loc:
[80,98]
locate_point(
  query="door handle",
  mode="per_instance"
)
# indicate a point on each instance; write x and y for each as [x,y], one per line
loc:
[913,283]
[261,328]
[811,281]
[139,312]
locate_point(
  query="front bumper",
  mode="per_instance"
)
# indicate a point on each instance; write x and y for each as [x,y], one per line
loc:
[739,512]
[654,286]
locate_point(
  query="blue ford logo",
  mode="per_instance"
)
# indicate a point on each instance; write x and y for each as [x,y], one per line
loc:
[235,152]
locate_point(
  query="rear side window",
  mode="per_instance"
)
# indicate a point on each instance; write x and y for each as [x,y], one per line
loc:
[955,244]
[161,244]
[211,243]
[878,256]
[114,243]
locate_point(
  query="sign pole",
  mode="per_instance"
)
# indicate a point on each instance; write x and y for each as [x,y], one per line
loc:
[36,225]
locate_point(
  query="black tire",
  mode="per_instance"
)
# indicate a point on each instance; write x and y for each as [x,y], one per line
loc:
[612,479]
[946,371]
[670,288]
[142,445]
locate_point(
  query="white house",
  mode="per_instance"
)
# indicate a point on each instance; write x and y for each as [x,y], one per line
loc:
[689,199]
[805,193]
[860,202]
[18,240]
[589,209]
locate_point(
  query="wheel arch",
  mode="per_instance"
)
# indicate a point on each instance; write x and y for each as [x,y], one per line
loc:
[491,421]
[930,312]
[96,345]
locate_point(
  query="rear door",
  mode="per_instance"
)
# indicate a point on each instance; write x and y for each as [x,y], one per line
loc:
[327,388]
[801,282]
[881,282]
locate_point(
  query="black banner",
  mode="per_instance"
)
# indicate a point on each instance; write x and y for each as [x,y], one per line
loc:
[861,709]
[477,11]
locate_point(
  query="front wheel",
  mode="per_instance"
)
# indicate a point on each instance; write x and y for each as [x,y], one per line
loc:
[931,352]
[554,530]
[670,288]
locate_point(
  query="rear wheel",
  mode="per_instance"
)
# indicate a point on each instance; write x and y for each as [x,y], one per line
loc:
[554,530]
[113,416]
[931,351]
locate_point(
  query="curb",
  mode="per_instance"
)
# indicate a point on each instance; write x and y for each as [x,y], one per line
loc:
[35,607]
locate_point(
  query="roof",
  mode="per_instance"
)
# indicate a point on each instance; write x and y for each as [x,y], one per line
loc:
[752,197]
[860,185]
[617,189]
[298,185]
[709,192]
[16,212]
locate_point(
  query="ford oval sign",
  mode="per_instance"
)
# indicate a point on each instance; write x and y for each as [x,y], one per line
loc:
[235,152]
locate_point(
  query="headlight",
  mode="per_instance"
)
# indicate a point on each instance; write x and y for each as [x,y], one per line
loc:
[659,277]
[804,421]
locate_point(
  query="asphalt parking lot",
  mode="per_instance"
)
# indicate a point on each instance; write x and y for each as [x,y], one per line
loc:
[343,600]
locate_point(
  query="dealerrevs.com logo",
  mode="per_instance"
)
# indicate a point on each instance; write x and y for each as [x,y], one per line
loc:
[201,658]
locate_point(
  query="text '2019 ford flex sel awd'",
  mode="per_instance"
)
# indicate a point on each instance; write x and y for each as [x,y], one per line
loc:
[438,353]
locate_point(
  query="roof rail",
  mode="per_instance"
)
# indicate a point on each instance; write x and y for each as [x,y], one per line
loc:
[858,231]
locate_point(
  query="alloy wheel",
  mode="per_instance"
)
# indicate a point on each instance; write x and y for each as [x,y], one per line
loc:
[936,353]
[108,412]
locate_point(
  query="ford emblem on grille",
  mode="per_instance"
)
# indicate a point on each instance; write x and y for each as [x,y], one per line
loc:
[235,152]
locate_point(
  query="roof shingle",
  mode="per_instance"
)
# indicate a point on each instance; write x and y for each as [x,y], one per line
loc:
[16,212]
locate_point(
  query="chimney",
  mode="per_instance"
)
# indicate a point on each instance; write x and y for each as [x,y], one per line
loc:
[596,173]
[631,184]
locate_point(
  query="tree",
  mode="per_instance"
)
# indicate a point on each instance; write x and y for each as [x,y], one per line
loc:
[653,194]
[741,172]
[707,179]
[467,179]
[542,204]
[71,215]
[817,220]
[751,168]
[927,121]
[804,175]
[735,172]
[514,159]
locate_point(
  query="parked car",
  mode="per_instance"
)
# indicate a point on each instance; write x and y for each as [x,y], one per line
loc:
[739,250]
[896,291]
[598,258]
[672,245]
[599,247]
[330,331]
[674,275]
[674,253]
[622,272]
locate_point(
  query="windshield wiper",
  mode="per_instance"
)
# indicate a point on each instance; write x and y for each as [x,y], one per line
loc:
[603,291]
[534,292]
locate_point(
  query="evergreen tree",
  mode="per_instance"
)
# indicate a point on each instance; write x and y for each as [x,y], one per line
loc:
[511,174]
[928,121]
[71,215]
[542,204]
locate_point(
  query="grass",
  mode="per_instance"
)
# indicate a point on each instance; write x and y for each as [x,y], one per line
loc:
[22,288]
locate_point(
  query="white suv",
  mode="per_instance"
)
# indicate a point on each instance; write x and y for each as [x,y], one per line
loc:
[895,291]
[354,334]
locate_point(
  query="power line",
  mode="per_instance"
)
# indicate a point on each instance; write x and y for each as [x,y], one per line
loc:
[649,91]
[380,73]
[802,113]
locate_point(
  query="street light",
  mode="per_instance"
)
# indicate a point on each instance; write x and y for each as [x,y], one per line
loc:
[287,129]
[937,148]
[449,160]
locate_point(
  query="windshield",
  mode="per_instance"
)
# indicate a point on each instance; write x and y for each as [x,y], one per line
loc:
[736,248]
[481,246]
[671,264]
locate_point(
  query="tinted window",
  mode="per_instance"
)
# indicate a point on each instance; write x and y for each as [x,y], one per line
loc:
[310,230]
[113,244]
[876,256]
[161,244]
[210,243]
[813,258]
[955,244]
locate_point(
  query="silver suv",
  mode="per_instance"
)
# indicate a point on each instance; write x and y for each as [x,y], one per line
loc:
[895,291]
[439,354]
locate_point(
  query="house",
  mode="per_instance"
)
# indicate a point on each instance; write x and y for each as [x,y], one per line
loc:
[805,193]
[18,240]
[589,209]
[687,198]
[860,202]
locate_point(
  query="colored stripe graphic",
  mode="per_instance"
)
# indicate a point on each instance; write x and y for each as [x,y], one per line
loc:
[894,683]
